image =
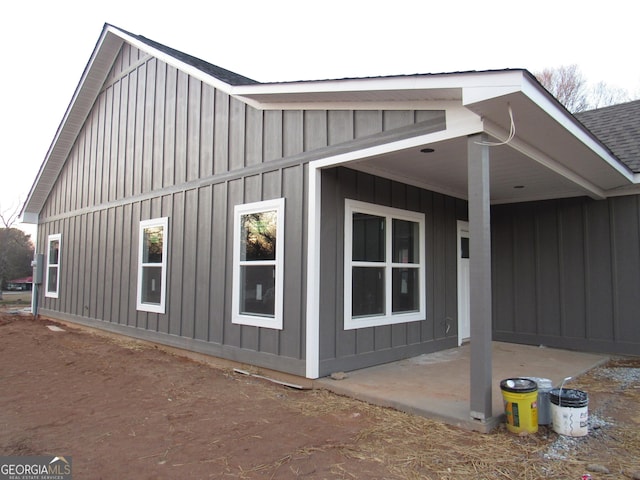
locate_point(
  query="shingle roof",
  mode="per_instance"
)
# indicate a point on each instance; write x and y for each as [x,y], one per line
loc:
[618,127]
[220,73]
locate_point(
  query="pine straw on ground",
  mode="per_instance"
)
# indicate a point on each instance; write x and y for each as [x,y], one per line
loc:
[617,444]
[412,447]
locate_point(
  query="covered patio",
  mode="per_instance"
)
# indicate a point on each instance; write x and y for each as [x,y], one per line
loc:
[437,385]
[509,143]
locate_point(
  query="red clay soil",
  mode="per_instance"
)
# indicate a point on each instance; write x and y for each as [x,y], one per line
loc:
[124,409]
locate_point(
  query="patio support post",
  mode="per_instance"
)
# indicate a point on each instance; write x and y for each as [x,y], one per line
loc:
[479,277]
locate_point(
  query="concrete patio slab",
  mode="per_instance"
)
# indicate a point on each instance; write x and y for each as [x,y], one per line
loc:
[437,385]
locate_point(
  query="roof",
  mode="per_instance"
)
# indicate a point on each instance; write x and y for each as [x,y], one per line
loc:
[220,73]
[618,127]
[483,97]
[21,280]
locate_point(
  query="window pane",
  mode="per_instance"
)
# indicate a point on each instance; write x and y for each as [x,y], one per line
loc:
[464,247]
[54,251]
[151,285]
[52,285]
[368,238]
[258,290]
[368,291]
[258,236]
[152,246]
[405,242]
[405,290]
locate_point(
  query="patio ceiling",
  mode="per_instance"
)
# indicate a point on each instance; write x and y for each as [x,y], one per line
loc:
[514,176]
[547,158]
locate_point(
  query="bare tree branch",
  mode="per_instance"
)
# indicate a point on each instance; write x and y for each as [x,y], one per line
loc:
[10,215]
[570,88]
[567,84]
[603,95]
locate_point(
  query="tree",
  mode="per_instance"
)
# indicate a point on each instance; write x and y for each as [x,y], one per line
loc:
[16,252]
[603,95]
[569,86]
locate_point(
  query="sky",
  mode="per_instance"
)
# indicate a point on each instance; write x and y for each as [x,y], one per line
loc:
[46,46]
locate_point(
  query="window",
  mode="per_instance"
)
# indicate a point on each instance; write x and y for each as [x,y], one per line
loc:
[152,265]
[384,265]
[258,264]
[53,265]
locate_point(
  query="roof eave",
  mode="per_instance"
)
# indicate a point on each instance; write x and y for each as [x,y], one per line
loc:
[372,90]
[471,89]
[529,93]
[82,101]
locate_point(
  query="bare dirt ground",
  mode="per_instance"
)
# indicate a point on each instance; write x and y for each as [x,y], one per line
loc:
[124,409]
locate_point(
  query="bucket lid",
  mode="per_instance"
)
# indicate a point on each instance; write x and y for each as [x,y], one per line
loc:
[543,383]
[518,385]
[568,397]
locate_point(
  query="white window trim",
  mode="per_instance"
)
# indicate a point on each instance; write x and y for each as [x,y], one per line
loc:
[155,222]
[53,238]
[274,322]
[389,318]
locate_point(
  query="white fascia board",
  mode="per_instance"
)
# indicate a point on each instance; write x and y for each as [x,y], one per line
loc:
[460,123]
[413,142]
[517,81]
[173,61]
[409,82]
[509,83]
[77,110]
[556,111]
[30,217]
[444,81]
[350,105]
[415,89]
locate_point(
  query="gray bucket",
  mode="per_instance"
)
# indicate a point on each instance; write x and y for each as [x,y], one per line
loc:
[544,404]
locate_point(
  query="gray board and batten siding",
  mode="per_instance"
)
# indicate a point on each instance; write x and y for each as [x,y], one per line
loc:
[566,274]
[342,349]
[160,143]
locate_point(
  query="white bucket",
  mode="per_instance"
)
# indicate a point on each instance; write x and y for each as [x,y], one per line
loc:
[569,412]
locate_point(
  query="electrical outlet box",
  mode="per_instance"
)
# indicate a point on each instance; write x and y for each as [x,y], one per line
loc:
[38,268]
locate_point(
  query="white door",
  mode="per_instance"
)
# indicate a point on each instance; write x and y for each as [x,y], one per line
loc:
[464,325]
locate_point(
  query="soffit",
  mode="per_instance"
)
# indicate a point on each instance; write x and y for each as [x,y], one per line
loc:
[81,103]
[551,156]
[514,177]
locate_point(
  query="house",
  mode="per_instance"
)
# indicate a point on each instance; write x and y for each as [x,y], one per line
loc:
[20,284]
[320,226]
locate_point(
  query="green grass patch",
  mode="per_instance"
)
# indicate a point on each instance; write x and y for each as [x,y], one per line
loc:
[16,298]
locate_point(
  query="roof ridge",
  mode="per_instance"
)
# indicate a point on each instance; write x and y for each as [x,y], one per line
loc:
[220,73]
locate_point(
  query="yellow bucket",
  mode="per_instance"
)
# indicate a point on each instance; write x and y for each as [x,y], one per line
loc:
[520,404]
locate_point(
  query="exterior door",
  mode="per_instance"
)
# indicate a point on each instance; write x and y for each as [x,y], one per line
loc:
[464,325]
